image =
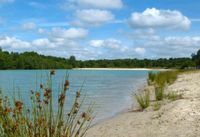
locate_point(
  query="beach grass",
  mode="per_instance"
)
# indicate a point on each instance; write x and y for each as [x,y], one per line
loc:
[41,119]
[174,96]
[160,80]
[143,99]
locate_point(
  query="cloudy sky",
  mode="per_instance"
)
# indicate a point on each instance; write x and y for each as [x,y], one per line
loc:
[98,29]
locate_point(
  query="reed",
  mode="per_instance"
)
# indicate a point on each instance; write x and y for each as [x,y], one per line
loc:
[41,119]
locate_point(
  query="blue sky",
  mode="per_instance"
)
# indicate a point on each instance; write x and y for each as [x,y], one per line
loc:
[93,29]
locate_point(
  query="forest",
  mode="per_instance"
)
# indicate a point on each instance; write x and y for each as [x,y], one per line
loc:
[33,60]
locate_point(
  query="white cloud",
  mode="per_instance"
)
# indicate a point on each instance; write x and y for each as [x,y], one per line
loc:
[140,50]
[13,43]
[154,18]
[104,4]
[71,33]
[6,1]
[29,26]
[171,46]
[43,43]
[94,16]
[108,43]
[96,43]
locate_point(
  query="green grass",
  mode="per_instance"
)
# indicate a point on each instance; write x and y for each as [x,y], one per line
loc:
[160,80]
[143,99]
[156,106]
[174,96]
[41,119]
[159,93]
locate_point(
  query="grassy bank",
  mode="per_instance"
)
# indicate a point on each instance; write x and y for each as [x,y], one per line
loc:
[41,119]
[159,81]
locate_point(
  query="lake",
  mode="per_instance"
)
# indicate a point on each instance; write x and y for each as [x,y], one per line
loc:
[110,90]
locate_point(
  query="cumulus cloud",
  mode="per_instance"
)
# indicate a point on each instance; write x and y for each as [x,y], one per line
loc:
[13,43]
[29,26]
[71,33]
[93,17]
[108,43]
[155,18]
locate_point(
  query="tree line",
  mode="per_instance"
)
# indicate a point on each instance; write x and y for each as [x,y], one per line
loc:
[33,60]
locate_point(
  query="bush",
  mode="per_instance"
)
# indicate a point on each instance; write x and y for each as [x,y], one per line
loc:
[143,99]
[41,119]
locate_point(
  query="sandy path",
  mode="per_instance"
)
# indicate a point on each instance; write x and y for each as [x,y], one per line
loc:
[180,118]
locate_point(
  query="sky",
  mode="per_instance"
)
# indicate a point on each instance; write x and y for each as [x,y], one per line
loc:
[101,29]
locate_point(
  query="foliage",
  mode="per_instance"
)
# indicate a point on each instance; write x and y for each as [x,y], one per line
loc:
[33,60]
[196,58]
[143,99]
[41,119]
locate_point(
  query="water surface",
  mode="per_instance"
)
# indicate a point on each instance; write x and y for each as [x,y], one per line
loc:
[111,90]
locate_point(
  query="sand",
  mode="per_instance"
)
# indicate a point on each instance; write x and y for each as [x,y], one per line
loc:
[180,118]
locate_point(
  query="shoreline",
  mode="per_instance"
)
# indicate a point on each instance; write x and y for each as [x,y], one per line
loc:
[159,69]
[178,118]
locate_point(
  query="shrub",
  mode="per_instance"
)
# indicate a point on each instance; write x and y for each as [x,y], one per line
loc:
[143,99]
[41,119]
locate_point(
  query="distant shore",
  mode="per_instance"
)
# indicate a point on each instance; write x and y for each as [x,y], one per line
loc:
[159,69]
[178,118]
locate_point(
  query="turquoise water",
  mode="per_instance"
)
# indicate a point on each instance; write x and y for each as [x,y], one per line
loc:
[110,90]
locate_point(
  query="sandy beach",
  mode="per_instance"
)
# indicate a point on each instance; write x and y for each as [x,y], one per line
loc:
[180,118]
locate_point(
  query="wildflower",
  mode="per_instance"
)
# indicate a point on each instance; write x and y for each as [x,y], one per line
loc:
[61,99]
[47,92]
[41,86]
[52,72]
[66,85]
[28,110]
[75,110]
[46,102]
[78,94]
[76,105]
[7,111]
[78,122]
[32,92]
[19,105]
[86,116]
[37,94]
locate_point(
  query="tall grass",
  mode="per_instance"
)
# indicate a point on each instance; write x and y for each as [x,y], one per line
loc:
[143,99]
[160,80]
[159,93]
[41,119]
